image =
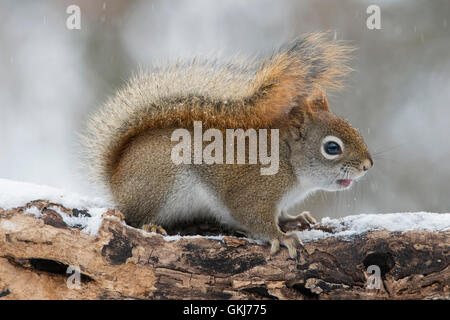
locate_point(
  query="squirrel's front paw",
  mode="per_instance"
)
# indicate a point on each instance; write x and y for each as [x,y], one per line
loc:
[290,240]
[289,222]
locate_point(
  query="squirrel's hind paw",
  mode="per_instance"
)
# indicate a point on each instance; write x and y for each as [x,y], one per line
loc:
[291,241]
[150,227]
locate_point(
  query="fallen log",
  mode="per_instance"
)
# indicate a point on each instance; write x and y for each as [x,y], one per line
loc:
[45,256]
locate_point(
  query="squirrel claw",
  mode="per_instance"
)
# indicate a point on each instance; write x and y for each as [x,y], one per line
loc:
[307,218]
[288,221]
[150,227]
[291,241]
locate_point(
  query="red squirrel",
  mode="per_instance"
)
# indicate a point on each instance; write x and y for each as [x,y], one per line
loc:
[130,143]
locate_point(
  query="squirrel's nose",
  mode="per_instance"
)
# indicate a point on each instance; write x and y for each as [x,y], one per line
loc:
[367,164]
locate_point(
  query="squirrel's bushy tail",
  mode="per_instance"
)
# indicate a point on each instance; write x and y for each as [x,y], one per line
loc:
[238,94]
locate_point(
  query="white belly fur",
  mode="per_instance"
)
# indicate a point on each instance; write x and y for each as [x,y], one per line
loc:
[190,199]
[296,194]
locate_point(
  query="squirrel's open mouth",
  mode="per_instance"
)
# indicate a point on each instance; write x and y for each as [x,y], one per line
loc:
[344,182]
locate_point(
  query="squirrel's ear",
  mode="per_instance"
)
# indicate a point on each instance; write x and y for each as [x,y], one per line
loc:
[318,101]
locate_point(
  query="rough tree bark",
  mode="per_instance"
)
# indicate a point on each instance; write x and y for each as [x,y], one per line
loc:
[127,263]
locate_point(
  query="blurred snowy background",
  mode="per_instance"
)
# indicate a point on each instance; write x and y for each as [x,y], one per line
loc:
[51,78]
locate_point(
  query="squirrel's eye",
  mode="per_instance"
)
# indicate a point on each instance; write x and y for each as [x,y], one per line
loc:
[332,147]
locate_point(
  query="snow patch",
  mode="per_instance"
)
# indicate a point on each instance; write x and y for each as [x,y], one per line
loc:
[178,237]
[15,194]
[90,224]
[93,223]
[350,226]
[218,237]
[34,211]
